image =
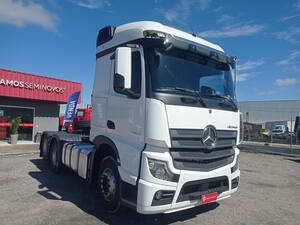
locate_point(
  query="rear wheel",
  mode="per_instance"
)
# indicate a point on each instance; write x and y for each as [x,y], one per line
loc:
[108,184]
[55,162]
[44,150]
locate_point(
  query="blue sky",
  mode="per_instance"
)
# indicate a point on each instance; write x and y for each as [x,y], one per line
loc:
[58,37]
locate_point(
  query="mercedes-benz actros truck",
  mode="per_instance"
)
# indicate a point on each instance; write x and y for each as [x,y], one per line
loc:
[165,124]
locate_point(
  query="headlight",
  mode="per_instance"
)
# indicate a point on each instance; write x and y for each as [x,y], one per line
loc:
[236,165]
[159,169]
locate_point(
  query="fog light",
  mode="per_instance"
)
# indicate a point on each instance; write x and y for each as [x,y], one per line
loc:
[235,183]
[158,195]
[159,169]
[162,197]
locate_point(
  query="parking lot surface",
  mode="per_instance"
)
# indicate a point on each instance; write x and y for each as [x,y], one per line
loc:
[30,193]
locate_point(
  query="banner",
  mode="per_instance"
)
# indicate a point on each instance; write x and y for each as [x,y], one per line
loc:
[71,107]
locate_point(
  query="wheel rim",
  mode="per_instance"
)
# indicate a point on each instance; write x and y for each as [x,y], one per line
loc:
[53,156]
[108,184]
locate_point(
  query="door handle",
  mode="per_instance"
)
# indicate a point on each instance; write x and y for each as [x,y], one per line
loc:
[110,124]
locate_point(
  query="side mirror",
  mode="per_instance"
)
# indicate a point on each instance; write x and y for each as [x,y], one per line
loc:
[123,68]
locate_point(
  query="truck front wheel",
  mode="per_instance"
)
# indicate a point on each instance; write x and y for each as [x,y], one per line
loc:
[108,184]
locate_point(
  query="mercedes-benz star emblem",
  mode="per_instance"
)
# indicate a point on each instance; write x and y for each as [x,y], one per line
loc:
[209,136]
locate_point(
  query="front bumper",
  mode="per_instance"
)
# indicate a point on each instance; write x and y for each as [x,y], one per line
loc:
[148,185]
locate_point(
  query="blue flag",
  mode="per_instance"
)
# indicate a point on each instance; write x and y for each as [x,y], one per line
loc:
[71,107]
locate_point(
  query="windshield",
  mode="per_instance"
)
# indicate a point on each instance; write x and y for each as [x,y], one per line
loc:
[185,73]
[80,113]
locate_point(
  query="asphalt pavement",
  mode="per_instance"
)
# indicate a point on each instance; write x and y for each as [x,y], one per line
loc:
[31,194]
[18,149]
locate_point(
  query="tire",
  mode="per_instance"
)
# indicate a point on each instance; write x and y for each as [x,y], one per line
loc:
[44,148]
[54,157]
[108,184]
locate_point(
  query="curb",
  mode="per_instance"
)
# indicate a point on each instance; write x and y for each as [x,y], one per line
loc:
[19,153]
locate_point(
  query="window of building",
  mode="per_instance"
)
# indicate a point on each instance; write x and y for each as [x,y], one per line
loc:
[7,113]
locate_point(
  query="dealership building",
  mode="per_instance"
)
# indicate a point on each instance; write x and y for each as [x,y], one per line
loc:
[36,99]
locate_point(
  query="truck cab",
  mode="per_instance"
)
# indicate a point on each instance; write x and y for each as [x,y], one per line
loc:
[164,125]
[279,131]
[83,113]
[167,101]
[81,123]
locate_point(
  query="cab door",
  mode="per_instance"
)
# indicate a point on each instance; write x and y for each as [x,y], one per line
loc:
[126,117]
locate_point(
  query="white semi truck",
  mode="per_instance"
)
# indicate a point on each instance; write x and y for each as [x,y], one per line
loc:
[165,125]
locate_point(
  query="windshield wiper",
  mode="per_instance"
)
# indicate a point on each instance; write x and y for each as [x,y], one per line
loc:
[196,93]
[227,99]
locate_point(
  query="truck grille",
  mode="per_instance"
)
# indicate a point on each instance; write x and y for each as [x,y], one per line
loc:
[189,152]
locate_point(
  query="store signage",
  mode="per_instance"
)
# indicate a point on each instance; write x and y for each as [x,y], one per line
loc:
[32,86]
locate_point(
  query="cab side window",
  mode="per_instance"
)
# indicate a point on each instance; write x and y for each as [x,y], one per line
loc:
[136,72]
